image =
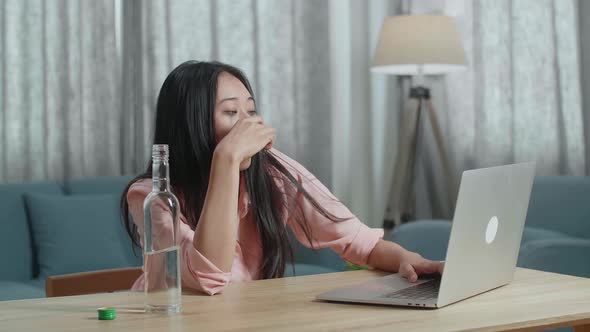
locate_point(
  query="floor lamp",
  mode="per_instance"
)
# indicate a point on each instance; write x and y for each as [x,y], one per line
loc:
[416,45]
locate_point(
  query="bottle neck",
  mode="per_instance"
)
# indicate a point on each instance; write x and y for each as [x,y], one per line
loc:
[160,175]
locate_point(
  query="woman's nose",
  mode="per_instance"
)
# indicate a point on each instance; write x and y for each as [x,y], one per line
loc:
[243,114]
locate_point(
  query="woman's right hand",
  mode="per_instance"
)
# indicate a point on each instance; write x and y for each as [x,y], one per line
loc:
[246,138]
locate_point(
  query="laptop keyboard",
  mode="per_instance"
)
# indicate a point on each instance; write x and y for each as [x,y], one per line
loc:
[424,291]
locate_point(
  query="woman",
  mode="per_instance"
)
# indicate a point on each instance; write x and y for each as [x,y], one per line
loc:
[238,195]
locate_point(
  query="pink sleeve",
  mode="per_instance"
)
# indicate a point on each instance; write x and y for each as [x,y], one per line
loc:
[197,272]
[351,239]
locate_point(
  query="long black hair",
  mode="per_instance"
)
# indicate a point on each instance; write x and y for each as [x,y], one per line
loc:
[184,121]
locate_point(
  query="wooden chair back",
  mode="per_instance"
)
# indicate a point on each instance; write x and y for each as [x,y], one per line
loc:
[102,281]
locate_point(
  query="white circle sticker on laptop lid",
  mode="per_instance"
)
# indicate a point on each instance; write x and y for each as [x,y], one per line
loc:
[491,230]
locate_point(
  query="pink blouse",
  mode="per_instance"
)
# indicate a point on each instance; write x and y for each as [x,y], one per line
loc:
[351,239]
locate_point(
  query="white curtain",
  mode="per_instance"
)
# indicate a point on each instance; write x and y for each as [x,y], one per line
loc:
[523,101]
[80,81]
[59,89]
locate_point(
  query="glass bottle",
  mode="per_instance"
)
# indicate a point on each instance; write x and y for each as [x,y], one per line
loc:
[161,256]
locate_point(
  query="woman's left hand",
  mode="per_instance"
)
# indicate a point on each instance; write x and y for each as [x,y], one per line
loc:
[412,265]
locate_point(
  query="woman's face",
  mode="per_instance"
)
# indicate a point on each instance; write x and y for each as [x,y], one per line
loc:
[232,103]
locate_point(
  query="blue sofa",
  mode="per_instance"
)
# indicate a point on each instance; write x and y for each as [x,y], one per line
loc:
[52,228]
[556,236]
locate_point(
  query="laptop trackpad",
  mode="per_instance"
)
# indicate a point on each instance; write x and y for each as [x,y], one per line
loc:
[395,282]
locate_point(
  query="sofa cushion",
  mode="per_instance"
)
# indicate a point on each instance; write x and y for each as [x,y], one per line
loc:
[97,185]
[429,238]
[77,233]
[14,290]
[533,234]
[16,251]
[560,203]
[565,255]
[106,185]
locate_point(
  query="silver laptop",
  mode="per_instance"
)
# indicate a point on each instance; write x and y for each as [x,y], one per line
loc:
[483,247]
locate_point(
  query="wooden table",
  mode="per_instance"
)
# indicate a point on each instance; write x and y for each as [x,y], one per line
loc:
[533,301]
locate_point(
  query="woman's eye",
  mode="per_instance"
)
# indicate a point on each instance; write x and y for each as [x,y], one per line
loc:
[231,112]
[252,113]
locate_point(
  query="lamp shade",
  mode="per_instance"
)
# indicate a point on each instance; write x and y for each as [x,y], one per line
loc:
[419,44]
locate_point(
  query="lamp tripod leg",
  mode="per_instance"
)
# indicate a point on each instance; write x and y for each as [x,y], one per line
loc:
[401,202]
[447,170]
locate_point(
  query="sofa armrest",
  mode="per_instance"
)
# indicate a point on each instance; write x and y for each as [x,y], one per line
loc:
[563,255]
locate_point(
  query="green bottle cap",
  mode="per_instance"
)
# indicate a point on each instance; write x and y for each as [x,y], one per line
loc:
[106,313]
